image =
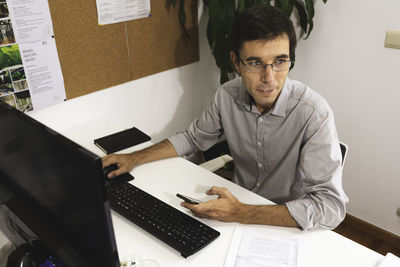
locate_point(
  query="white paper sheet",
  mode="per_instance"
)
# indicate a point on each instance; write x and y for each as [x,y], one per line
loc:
[114,11]
[33,79]
[251,248]
[43,71]
[390,260]
[31,20]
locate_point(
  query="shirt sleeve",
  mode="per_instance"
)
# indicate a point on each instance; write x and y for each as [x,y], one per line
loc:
[320,167]
[203,132]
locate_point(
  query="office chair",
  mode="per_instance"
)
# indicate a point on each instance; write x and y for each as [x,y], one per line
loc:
[219,162]
[343,148]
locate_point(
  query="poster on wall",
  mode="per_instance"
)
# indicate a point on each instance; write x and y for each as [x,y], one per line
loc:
[30,71]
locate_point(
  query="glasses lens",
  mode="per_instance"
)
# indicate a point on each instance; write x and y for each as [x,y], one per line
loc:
[281,65]
[255,66]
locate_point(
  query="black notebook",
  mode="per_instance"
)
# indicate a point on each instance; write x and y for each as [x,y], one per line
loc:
[121,140]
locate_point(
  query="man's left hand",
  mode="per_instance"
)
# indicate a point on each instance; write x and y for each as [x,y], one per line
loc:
[226,208]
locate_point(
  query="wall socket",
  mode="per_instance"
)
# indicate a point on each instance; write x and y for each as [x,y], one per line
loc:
[392,39]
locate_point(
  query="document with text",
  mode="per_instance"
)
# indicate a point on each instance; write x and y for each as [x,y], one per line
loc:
[30,70]
[114,11]
[250,247]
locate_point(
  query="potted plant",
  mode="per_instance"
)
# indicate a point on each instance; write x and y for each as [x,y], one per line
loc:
[222,13]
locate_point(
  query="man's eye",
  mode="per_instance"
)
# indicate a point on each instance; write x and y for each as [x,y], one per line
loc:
[278,62]
[255,63]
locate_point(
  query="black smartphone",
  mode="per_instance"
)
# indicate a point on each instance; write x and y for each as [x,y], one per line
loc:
[121,140]
[189,200]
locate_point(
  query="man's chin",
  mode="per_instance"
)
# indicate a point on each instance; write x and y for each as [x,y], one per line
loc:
[263,106]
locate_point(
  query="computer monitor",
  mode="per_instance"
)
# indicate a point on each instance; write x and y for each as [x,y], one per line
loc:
[56,187]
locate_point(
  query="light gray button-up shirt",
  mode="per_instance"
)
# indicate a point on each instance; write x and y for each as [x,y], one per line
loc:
[289,155]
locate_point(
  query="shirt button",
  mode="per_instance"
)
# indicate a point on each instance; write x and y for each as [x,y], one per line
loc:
[259,165]
[258,184]
[259,143]
[260,119]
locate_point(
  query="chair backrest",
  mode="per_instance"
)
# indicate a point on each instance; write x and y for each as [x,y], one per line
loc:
[343,148]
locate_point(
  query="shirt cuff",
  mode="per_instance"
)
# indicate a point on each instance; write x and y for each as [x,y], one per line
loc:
[301,212]
[181,144]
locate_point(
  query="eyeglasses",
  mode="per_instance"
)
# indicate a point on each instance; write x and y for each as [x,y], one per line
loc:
[256,66]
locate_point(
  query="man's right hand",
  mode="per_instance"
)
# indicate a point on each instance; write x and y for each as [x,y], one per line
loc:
[124,162]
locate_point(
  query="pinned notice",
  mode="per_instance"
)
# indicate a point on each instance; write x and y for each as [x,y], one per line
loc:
[114,11]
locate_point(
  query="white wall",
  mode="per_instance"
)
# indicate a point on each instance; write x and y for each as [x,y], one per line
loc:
[345,60]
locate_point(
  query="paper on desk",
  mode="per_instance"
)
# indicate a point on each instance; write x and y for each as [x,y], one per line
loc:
[251,247]
[390,261]
[114,11]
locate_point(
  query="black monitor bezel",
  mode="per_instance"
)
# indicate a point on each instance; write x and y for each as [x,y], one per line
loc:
[20,204]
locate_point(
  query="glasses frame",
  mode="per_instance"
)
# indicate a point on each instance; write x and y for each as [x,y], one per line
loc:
[265,65]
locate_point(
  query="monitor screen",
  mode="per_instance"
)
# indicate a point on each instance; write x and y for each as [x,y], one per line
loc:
[56,188]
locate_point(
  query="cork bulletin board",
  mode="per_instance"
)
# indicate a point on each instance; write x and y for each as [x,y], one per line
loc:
[94,57]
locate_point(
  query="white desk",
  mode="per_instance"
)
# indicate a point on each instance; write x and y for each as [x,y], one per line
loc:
[165,178]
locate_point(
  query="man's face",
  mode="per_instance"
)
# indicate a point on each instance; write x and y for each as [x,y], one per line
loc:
[266,86]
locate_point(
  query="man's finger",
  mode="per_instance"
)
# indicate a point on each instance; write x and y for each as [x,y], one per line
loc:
[198,210]
[188,206]
[117,172]
[108,160]
[220,191]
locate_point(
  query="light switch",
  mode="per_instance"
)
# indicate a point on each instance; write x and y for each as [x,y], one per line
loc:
[392,39]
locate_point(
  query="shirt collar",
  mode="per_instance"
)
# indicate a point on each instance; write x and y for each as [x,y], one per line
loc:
[279,108]
[243,97]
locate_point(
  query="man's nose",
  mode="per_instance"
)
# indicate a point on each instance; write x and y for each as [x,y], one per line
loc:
[268,75]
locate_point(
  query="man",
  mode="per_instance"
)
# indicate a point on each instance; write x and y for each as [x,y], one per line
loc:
[281,134]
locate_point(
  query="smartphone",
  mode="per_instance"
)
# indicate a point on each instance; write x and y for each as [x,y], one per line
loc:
[189,200]
[121,140]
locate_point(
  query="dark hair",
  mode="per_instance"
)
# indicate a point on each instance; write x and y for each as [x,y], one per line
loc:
[262,22]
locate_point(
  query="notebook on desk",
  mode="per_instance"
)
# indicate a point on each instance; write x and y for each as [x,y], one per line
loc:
[121,140]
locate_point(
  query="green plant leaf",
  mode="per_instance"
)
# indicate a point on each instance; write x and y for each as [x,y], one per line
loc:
[310,16]
[182,13]
[182,18]
[310,9]
[301,11]
[285,5]
[241,6]
[218,30]
[213,8]
[260,2]
[310,28]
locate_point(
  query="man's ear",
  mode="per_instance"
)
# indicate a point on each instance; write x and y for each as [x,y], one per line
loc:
[235,61]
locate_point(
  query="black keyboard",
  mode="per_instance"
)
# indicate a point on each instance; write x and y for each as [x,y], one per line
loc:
[175,228]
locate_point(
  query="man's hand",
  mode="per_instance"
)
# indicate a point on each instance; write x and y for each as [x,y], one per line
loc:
[228,208]
[124,162]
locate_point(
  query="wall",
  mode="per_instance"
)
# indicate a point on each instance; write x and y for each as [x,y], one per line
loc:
[345,60]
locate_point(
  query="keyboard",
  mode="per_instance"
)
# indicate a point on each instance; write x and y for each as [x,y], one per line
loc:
[173,227]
